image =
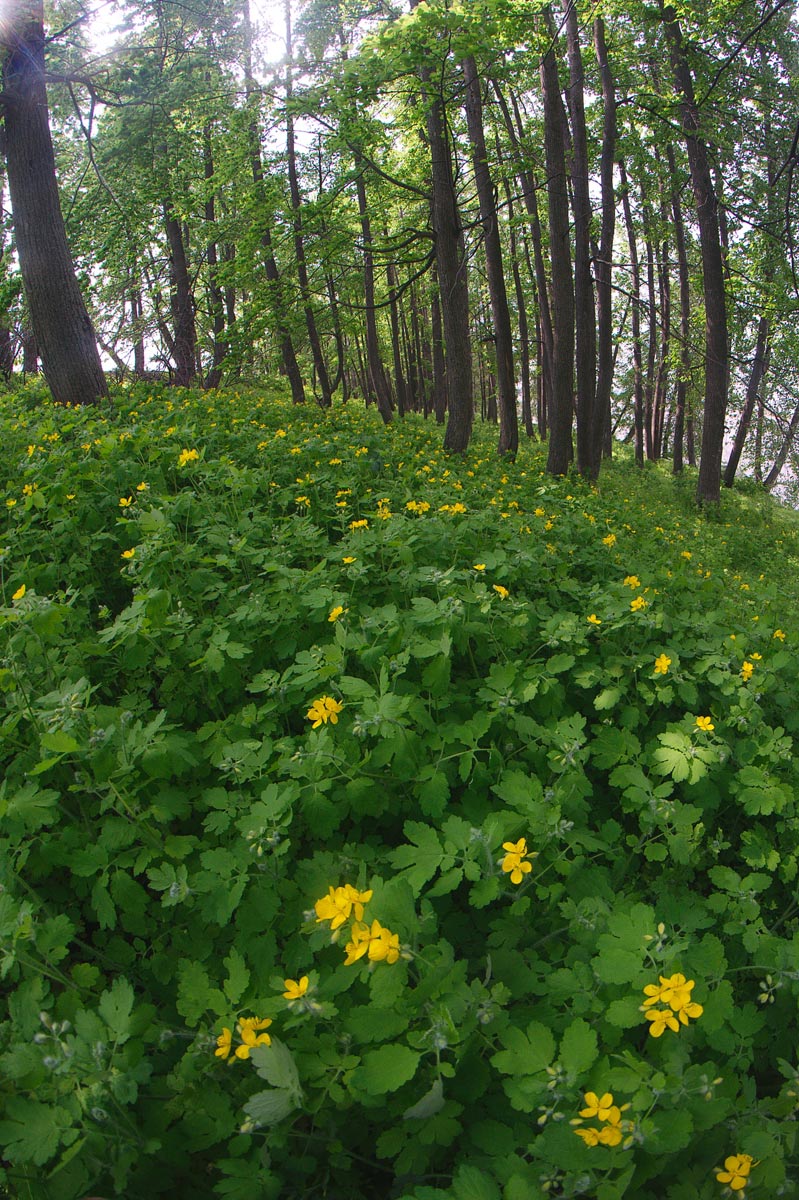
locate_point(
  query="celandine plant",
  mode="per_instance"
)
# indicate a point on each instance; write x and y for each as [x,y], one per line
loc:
[378,823]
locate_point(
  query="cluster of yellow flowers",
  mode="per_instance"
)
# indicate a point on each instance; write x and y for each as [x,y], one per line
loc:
[362,524]
[612,1130]
[187,456]
[418,506]
[675,992]
[375,941]
[516,862]
[736,1171]
[324,709]
[249,1030]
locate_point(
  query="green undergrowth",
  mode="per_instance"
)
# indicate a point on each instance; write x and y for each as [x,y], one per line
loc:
[354,794]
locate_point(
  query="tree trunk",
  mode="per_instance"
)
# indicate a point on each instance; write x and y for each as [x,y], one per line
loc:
[758,370]
[685,317]
[375,363]
[716,343]
[635,287]
[500,310]
[589,453]
[603,268]
[184,337]
[560,415]
[215,295]
[58,313]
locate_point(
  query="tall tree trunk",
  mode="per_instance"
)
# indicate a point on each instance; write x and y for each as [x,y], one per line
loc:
[326,398]
[560,415]
[757,371]
[452,273]
[184,334]
[287,352]
[500,310]
[635,287]
[521,313]
[603,267]
[399,377]
[215,295]
[375,363]
[589,453]
[58,313]
[685,316]
[716,343]
[439,364]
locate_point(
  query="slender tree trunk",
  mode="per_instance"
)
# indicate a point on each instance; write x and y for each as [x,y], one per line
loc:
[184,334]
[716,343]
[561,410]
[500,309]
[757,371]
[326,398]
[58,313]
[439,365]
[287,352]
[589,455]
[603,267]
[521,314]
[683,374]
[399,377]
[635,287]
[215,295]
[376,370]
[452,274]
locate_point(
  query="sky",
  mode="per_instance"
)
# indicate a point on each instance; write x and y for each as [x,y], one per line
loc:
[266,15]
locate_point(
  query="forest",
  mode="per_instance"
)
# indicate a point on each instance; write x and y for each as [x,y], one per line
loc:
[578,223]
[399,795]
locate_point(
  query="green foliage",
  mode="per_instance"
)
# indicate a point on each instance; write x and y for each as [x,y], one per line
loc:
[173,829]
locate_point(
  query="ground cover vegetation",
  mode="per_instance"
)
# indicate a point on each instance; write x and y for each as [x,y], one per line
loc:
[444,206]
[381,822]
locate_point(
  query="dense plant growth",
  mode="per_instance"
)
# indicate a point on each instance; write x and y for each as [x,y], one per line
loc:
[381,823]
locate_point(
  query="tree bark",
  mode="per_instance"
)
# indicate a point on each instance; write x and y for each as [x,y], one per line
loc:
[758,370]
[184,338]
[589,453]
[561,409]
[58,314]
[603,268]
[685,317]
[716,341]
[377,372]
[635,287]
[492,242]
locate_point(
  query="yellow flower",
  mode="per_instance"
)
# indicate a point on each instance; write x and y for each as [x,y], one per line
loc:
[323,710]
[687,555]
[377,943]
[348,559]
[610,540]
[336,612]
[779,635]
[339,904]
[125,501]
[142,487]
[20,592]
[223,1043]
[128,553]
[479,567]
[637,604]
[295,988]
[631,581]
[746,671]
[662,1019]
[501,591]
[11,503]
[705,724]
[736,1171]
[755,656]
[611,1135]
[594,619]
[590,1136]
[662,664]
[515,861]
[248,1028]
[187,456]
[362,524]
[598,1106]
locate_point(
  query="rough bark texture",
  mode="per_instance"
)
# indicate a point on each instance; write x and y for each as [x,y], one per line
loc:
[184,339]
[685,317]
[380,384]
[560,416]
[492,242]
[603,268]
[589,454]
[635,287]
[58,314]
[716,341]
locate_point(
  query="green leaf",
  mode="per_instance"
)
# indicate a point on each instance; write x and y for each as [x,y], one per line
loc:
[386,1069]
[430,1103]
[525,1053]
[418,862]
[578,1048]
[607,698]
[115,1007]
[31,1132]
[238,976]
[270,1106]
[275,1063]
[470,1183]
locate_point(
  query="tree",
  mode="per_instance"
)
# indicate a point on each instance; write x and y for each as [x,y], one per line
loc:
[58,314]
